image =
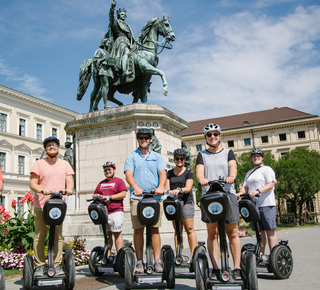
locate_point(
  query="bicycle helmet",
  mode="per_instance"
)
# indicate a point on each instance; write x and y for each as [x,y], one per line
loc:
[109,164]
[144,131]
[50,139]
[257,151]
[211,127]
[180,152]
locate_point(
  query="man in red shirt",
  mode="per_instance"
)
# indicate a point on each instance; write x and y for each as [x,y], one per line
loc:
[115,190]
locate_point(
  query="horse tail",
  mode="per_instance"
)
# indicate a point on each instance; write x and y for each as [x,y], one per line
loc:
[84,78]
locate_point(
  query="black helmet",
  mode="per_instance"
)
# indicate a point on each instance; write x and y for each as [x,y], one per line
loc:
[109,164]
[211,127]
[257,151]
[144,131]
[180,152]
[50,139]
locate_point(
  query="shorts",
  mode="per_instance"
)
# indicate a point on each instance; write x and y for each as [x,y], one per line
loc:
[134,215]
[234,215]
[268,221]
[188,211]
[115,222]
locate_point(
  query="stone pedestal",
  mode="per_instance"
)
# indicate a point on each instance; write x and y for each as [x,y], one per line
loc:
[109,135]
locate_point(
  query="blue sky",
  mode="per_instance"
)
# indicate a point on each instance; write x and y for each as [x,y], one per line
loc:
[229,57]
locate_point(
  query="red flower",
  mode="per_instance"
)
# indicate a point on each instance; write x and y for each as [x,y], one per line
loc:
[29,196]
[23,200]
[13,203]
[5,216]
[2,209]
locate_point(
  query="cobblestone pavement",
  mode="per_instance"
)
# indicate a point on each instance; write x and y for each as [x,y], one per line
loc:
[303,242]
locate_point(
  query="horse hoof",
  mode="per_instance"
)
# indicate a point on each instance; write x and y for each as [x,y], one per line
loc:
[165,92]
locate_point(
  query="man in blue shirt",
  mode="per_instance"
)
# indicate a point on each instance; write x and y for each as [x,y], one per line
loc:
[145,170]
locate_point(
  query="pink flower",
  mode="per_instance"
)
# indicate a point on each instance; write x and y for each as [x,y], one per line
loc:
[23,200]
[5,216]
[2,209]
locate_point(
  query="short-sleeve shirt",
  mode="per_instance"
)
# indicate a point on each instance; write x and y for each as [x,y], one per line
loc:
[216,165]
[111,187]
[51,177]
[180,181]
[258,178]
[145,170]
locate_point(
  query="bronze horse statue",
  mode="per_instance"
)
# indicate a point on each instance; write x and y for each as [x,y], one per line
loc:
[145,59]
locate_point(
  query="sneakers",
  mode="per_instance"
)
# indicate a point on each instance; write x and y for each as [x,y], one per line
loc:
[139,267]
[215,274]
[158,267]
[58,271]
[39,271]
[237,274]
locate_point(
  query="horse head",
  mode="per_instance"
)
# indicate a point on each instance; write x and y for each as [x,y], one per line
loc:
[165,28]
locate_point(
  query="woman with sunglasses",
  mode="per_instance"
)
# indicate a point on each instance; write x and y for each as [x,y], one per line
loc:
[210,165]
[180,181]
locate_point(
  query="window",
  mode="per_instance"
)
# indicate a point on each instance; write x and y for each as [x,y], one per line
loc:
[230,143]
[68,138]
[247,141]
[282,137]
[39,132]
[199,147]
[54,132]
[301,134]
[3,122]
[20,164]
[283,154]
[3,161]
[309,205]
[264,139]
[290,206]
[22,127]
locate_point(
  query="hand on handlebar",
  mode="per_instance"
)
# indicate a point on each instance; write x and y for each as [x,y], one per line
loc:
[158,191]
[204,182]
[230,180]
[137,191]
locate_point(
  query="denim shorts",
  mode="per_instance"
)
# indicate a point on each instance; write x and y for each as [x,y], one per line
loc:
[234,215]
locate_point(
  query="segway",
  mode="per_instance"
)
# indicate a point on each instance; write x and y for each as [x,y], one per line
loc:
[216,205]
[280,260]
[148,214]
[2,279]
[173,210]
[54,212]
[100,261]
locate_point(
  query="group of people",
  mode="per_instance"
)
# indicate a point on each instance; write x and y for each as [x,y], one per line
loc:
[145,170]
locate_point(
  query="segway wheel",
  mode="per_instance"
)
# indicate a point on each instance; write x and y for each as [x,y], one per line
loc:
[201,273]
[120,260]
[251,271]
[198,250]
[70,270]
[169,268]
[2,280]
[281,261]
[128,269]
[27,272]
[95,257]
[243,256]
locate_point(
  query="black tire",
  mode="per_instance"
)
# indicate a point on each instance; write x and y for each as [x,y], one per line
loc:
[120,260]
[198,250]
[95,257]
[2,279]
[281,261]
[169,269]
[128,269]
[243,256]
[27,272]
[201,278]
[70,270]
[251,271]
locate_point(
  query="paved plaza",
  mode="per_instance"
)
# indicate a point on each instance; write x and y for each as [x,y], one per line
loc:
[304,244]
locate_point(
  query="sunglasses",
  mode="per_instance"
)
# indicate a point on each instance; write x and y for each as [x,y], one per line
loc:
[108,169]
[179,158]
[144,138]
[216,134]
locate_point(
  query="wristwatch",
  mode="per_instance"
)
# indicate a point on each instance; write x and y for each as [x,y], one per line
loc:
[258,190]
[179,189]
[110,197]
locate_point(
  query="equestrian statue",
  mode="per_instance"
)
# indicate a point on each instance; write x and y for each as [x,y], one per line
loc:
[123,63]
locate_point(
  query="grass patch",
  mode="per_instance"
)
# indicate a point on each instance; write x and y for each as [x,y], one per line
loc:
[282,227]
[9,274]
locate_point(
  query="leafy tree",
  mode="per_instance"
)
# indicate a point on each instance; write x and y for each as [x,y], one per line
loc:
[298,176]
[196,184]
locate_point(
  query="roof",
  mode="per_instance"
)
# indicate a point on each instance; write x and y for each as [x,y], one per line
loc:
[275,115]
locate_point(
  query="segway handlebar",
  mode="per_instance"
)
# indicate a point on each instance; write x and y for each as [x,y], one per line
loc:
[97,198]
[246,195]
[60,193]
[220,180]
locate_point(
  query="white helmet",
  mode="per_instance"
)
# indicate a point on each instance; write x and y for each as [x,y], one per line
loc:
[211,127]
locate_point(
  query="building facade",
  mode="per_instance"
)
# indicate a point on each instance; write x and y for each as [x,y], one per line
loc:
[277,131]
[25,121]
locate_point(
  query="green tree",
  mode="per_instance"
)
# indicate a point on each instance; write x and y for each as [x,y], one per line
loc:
[196,184]
[298,176]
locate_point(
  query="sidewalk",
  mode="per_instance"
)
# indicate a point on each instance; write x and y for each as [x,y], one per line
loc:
[304,244]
